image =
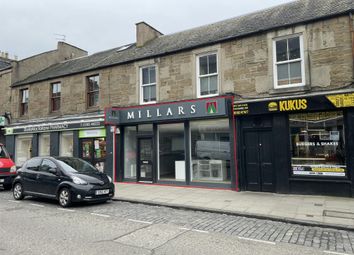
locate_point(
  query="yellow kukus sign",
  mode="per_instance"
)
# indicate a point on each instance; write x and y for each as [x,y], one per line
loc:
[342,100]
[288,105]
[300,104]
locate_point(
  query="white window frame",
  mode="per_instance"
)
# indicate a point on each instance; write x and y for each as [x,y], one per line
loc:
[207,75]
[275,63]
[141,85]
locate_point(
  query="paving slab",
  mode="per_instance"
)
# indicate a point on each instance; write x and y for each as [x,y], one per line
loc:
[303,209]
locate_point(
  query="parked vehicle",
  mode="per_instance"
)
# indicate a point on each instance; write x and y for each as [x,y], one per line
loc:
[65,179]
[7,168]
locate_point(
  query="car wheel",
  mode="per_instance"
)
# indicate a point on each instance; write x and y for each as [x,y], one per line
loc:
[65,197]
[18,191]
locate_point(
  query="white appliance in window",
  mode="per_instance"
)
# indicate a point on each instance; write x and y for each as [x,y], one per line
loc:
[209,170]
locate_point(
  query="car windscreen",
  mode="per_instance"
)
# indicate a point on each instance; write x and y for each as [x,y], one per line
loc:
[3,152]
[76,165]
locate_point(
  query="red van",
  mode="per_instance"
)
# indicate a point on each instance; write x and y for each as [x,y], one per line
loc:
[7,168]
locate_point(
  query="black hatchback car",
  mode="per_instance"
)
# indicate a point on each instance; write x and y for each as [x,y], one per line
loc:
[66,179]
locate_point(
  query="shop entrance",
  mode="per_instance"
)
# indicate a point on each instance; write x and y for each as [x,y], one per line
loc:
[258,155]
[145,159]
[93,150]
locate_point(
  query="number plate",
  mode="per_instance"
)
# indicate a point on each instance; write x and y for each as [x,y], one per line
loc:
[102,192]
[2,180]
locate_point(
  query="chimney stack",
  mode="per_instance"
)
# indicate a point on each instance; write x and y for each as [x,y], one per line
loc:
[145,33]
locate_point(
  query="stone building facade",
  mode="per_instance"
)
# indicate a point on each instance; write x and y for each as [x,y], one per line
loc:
[232,62]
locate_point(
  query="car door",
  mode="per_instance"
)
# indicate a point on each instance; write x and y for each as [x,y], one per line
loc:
[47,180]
[29,174]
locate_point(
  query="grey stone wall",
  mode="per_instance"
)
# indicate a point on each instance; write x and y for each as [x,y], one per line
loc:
[245,68]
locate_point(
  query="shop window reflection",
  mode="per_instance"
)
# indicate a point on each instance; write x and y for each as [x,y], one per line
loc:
[318,144]
[171,152]
[130,152]
[210,148]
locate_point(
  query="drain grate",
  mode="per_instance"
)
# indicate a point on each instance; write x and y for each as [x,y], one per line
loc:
[337,214]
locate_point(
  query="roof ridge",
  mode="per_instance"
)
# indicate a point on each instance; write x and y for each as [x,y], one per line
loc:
[283,15]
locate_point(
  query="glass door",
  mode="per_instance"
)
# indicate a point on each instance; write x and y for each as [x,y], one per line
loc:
[93,150]
[145,159]
[99,153]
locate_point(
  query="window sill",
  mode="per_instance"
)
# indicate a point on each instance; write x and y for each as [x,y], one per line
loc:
[92,108]
[206,96]
[147,103]
[304,89]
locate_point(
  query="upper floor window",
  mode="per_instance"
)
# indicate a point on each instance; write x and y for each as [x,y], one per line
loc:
[93,88]
[24,94]
[288,62]
[148,84]
[207,69]
[55,97]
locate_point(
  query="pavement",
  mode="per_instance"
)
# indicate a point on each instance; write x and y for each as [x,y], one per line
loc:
[324,211]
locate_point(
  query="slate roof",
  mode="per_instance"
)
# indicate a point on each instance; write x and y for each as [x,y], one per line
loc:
[4,64]
[302,11]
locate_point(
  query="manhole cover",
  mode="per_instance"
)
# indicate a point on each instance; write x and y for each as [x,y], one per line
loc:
[337,214]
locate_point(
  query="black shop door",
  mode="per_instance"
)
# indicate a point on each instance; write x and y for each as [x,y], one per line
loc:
[258,148]
[145,159]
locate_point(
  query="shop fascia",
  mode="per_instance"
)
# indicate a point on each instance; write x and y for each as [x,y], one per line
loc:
[202,108]
[149,113]
[58,126]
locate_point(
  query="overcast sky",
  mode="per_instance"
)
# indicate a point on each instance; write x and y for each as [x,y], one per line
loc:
[29,26]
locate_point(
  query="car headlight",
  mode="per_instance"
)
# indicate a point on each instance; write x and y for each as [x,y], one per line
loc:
[13,169]
[78,180]
[109,178]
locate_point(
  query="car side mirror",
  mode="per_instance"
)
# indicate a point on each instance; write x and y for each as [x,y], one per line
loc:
[53,170]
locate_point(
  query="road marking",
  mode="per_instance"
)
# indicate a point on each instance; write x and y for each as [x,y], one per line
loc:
[256,240]
[336,253]
[185,229]
[66,210]
[37,205]
[141,221]
[101,215]
[200,231]
[13,201]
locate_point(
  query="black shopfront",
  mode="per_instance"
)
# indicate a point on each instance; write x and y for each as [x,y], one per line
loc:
[301,145]
[184,143]
[79,137]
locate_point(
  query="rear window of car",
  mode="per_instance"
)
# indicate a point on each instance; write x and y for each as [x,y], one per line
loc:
[76,165]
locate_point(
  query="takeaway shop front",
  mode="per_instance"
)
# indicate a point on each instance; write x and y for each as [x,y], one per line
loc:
[179,143]
[300,144]
[83,137]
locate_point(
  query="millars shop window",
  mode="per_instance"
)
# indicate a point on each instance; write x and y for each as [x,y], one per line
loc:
[93,89]
[207,69]
[210,151]
[289,62]
[55,96]
[24,96]
[317,144]
[148,84]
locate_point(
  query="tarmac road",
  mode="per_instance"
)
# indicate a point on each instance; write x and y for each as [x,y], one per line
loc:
[38,226]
